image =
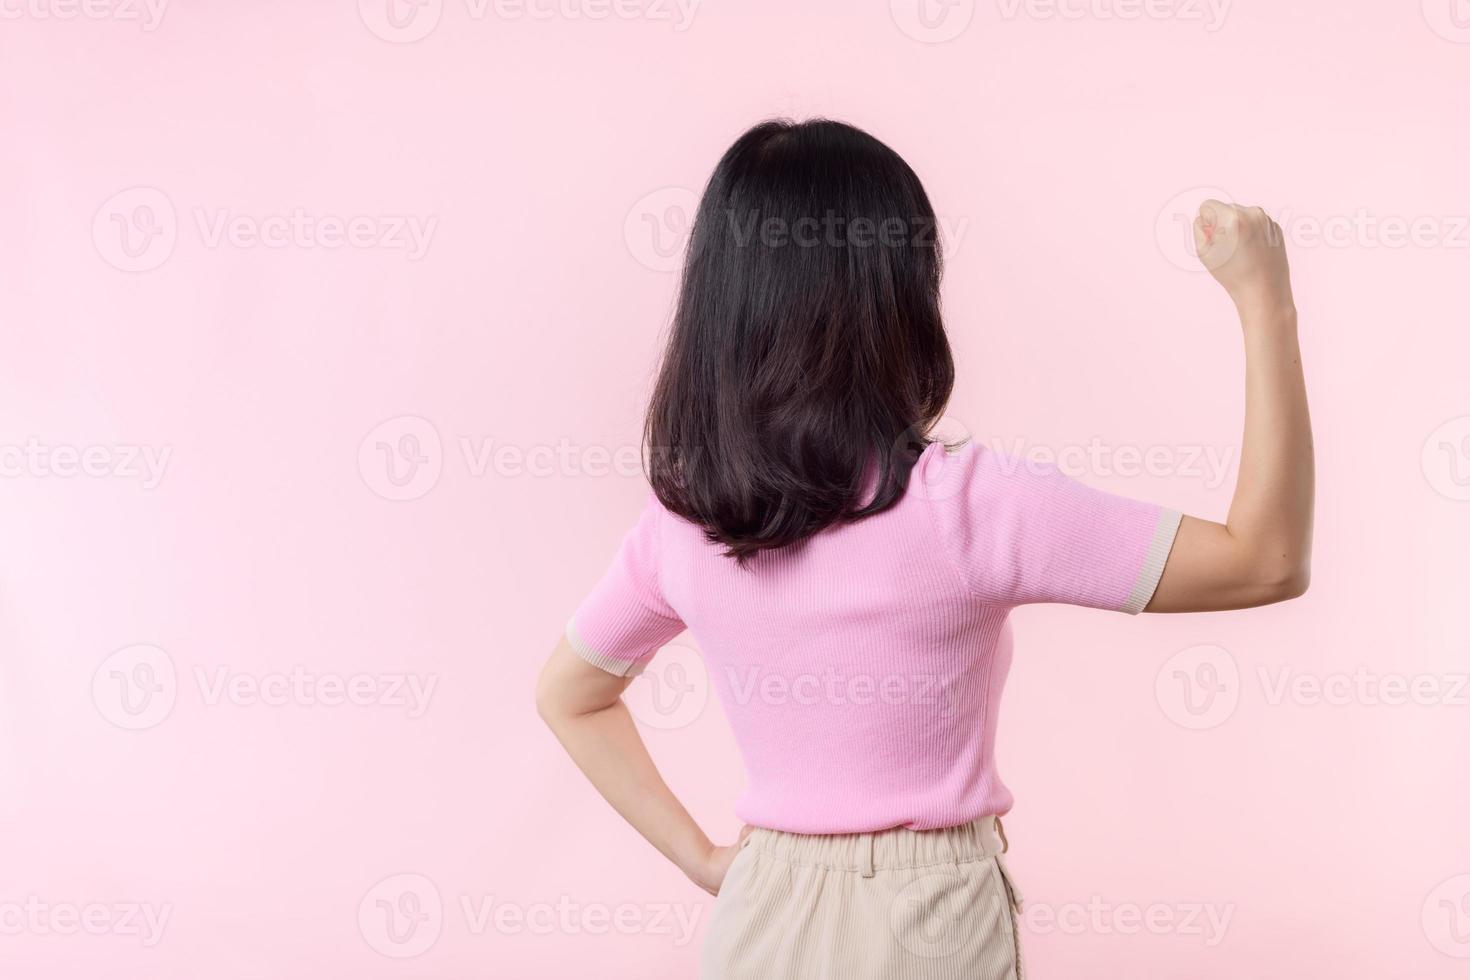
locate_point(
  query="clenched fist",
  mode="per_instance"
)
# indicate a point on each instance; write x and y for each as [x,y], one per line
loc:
[1246,253]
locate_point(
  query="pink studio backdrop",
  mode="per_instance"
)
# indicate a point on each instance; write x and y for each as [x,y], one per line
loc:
[327,328]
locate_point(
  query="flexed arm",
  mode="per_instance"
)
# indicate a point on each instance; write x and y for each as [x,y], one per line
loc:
[1262,553]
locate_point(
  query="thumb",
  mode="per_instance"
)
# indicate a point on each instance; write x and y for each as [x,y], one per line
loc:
[1211,218]
[1203,234]
[1214,233]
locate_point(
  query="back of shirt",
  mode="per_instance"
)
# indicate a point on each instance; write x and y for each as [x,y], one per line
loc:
[861,669]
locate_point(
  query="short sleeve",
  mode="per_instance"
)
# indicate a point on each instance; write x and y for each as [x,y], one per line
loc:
[624,620]
[1021,532]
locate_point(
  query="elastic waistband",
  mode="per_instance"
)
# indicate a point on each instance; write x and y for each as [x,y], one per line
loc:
[885,849]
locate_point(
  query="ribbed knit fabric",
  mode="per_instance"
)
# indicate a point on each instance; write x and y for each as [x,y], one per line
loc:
[861,670]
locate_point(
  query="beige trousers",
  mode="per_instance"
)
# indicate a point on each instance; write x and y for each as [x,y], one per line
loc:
[896,905]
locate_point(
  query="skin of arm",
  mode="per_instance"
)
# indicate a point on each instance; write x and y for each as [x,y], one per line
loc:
[1262,553]
[583,706]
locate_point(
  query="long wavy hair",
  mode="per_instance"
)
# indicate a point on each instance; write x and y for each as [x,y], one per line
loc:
[807,358]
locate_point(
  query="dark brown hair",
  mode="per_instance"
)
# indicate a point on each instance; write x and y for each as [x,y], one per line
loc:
[807,351]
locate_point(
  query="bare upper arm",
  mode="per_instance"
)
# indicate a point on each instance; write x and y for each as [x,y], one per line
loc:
[570,686]
[1210,569]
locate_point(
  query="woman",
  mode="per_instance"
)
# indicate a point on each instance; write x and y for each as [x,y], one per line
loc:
[848,579]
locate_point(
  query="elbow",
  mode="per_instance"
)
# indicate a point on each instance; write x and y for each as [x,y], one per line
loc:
[1286,579]
[1294,587]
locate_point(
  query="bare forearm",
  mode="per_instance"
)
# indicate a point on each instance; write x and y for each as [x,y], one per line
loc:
[1271,513]
[606,746]
[583,706]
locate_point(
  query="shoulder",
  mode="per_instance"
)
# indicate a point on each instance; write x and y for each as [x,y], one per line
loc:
[971,472]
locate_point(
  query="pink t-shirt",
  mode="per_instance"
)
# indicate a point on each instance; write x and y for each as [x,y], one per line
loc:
[861,670]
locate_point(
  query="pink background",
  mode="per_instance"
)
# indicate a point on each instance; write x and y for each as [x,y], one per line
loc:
[1157,766]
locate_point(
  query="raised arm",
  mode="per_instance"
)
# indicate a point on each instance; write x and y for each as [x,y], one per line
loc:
[1262,553]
